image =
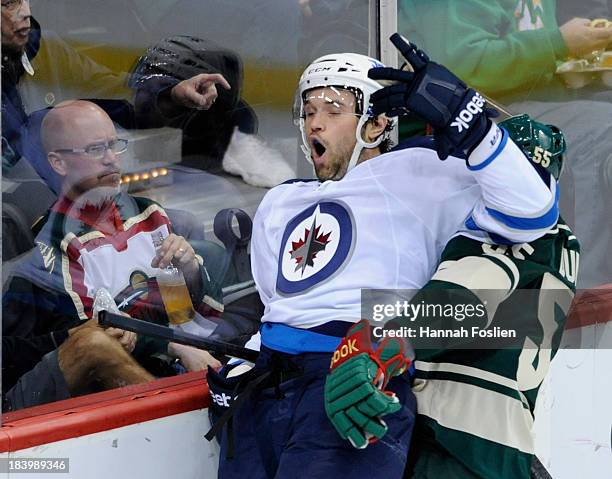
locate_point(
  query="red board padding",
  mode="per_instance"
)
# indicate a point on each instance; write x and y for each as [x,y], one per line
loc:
[103,411]
[592,306]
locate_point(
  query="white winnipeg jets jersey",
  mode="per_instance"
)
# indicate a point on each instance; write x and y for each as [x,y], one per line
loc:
[384,225]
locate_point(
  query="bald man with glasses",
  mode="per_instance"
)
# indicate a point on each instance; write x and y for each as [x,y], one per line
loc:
[93,237]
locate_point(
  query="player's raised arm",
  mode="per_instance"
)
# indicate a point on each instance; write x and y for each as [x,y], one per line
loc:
[517,203]
[456,112]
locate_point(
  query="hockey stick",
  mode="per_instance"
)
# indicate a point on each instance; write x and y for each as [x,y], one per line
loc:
[538,471]
[106,318]
[503,110]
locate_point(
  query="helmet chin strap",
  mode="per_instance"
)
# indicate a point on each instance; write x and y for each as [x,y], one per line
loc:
[361,144]
[305,147]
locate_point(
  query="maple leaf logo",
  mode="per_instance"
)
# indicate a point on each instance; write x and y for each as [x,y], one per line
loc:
[305,250]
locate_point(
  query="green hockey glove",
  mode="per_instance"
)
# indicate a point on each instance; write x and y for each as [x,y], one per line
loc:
[355,396]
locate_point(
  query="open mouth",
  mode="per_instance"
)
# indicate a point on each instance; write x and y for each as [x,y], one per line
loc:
[318,147]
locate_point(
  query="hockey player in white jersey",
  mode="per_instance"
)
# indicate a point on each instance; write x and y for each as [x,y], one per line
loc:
[374,219]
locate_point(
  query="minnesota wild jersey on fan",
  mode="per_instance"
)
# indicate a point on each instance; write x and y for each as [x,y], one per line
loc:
[476,406]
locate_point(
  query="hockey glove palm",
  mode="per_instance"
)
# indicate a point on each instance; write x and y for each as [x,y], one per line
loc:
[355,396]
[456,112]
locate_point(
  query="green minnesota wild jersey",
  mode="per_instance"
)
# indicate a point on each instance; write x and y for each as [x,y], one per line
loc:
[475,406]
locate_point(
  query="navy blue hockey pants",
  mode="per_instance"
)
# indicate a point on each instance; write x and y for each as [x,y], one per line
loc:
[283,432]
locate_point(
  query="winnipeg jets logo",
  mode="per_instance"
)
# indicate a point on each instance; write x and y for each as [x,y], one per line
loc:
[315,245]
[305,250]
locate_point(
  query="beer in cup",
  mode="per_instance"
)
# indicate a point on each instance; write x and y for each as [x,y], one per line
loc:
[175,296]
[173,290]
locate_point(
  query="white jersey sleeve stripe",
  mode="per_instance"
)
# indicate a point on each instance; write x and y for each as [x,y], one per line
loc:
[508,422]
[466,371]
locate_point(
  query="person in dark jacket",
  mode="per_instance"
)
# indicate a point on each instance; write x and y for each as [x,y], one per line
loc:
[30,58]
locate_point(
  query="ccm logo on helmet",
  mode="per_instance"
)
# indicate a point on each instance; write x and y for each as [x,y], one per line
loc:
[463,119]
[319,69]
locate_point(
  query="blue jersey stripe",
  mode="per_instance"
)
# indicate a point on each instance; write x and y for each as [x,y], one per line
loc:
[494,155]
[471,225]
[516,222]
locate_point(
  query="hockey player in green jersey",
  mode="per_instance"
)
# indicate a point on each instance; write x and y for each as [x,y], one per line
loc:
[476,406]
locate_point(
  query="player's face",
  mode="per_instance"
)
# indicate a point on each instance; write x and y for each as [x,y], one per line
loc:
[15,24]
[330,123]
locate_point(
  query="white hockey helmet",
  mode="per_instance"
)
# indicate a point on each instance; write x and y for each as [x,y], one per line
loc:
[347,71]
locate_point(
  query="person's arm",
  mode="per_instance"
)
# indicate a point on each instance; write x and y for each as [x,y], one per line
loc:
[193,359]
[582,38]
[161,98]
[33,325]
[29,310]
[20,355]
[58,63]
[157,99]
[478,41]
[517,203]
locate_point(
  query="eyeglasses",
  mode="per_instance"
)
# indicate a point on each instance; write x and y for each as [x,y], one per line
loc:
[12,5]
[98,150]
